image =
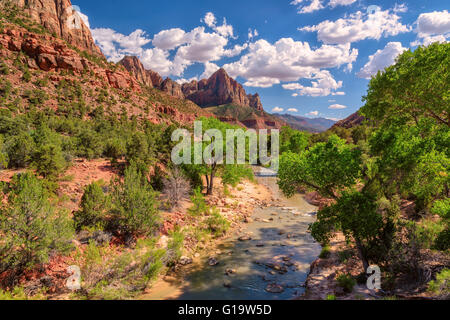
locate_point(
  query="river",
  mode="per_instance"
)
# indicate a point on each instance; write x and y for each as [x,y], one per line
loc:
[276,259]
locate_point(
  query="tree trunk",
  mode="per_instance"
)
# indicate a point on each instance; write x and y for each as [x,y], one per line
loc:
[362,256]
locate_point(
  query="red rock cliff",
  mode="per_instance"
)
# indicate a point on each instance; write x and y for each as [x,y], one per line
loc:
[55,16]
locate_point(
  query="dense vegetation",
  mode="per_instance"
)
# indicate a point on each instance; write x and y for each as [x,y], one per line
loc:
[401,155]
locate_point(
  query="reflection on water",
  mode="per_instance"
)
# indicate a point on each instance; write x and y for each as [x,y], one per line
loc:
[280,252]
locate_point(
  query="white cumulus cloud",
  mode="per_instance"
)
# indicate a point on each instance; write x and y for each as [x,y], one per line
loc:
[292,110]
[381,59]
[322,84]
[287,60]
[358,26]
[277,109]
[433,27]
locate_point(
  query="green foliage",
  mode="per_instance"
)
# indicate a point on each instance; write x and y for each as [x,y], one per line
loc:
[93,208]
[49,161]
[416,86]
[20,150]
[174,247]
[292,140]
[325,167]
[441,286]
[325,253]
[346,282]
[135,204]
[32,228]
[199,206]
[216,224]
[233,174]
[331,297]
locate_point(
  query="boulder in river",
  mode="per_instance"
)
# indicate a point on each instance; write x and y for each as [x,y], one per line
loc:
[213,262]
[274,288]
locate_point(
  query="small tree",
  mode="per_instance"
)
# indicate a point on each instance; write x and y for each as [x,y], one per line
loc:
[30,226]
[94,204]
[49,161]
[135,204]
[176,188]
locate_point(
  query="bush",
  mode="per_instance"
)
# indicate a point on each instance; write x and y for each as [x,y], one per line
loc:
[325,253]
[31,226]
[176,188]
[216,224]
[441,286]
[346,282]
[94,204]
[135,204]
[174,247]
[233,174]
[20,150]
[199,207]
[427,232]
[49,161]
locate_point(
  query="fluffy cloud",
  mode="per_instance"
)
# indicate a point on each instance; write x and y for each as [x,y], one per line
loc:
[357,27]
[313,113]
[202,46]
[286,60]
[116,45]
[277,109]
[323,84]
[224,30]
[169,39]
[433,27]
[381,59]
[292,110]
[434,23]
[315,5]
[337,107]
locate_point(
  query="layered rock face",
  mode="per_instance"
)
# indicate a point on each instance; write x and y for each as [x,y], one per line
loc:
[218,90]
[147,77]
[58,17]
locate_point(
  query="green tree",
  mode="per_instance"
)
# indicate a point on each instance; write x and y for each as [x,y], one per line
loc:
[93,208]
[31,228]
[135,204]
[49,161]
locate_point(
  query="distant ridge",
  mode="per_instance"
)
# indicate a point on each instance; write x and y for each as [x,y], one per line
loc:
[316,125]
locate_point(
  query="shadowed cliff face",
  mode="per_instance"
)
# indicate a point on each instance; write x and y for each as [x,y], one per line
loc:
[58,17]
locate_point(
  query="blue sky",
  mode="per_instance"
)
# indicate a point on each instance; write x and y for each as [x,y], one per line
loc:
[307,57]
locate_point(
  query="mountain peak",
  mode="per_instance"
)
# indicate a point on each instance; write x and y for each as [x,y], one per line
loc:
[55,16]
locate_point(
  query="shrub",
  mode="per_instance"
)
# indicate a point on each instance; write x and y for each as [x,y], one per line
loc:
[20,150]
[4,69]
[441,286]
[176,188]
[94,204]
[31,226]
[233,174]
[216,224]
[135,204]
[174,247]
[427,232]
[325,253]
[346,282]
[199,204]
[49,161]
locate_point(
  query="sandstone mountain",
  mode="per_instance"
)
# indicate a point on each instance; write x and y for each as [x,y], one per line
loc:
[220,89]
[58,17]
[135,67]
[47,71]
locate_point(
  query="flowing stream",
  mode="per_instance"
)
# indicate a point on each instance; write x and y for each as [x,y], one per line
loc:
[274,264]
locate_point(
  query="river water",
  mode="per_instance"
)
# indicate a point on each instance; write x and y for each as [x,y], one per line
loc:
[277,258]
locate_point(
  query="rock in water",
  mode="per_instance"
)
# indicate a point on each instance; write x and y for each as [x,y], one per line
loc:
[274,288]
[213,262]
